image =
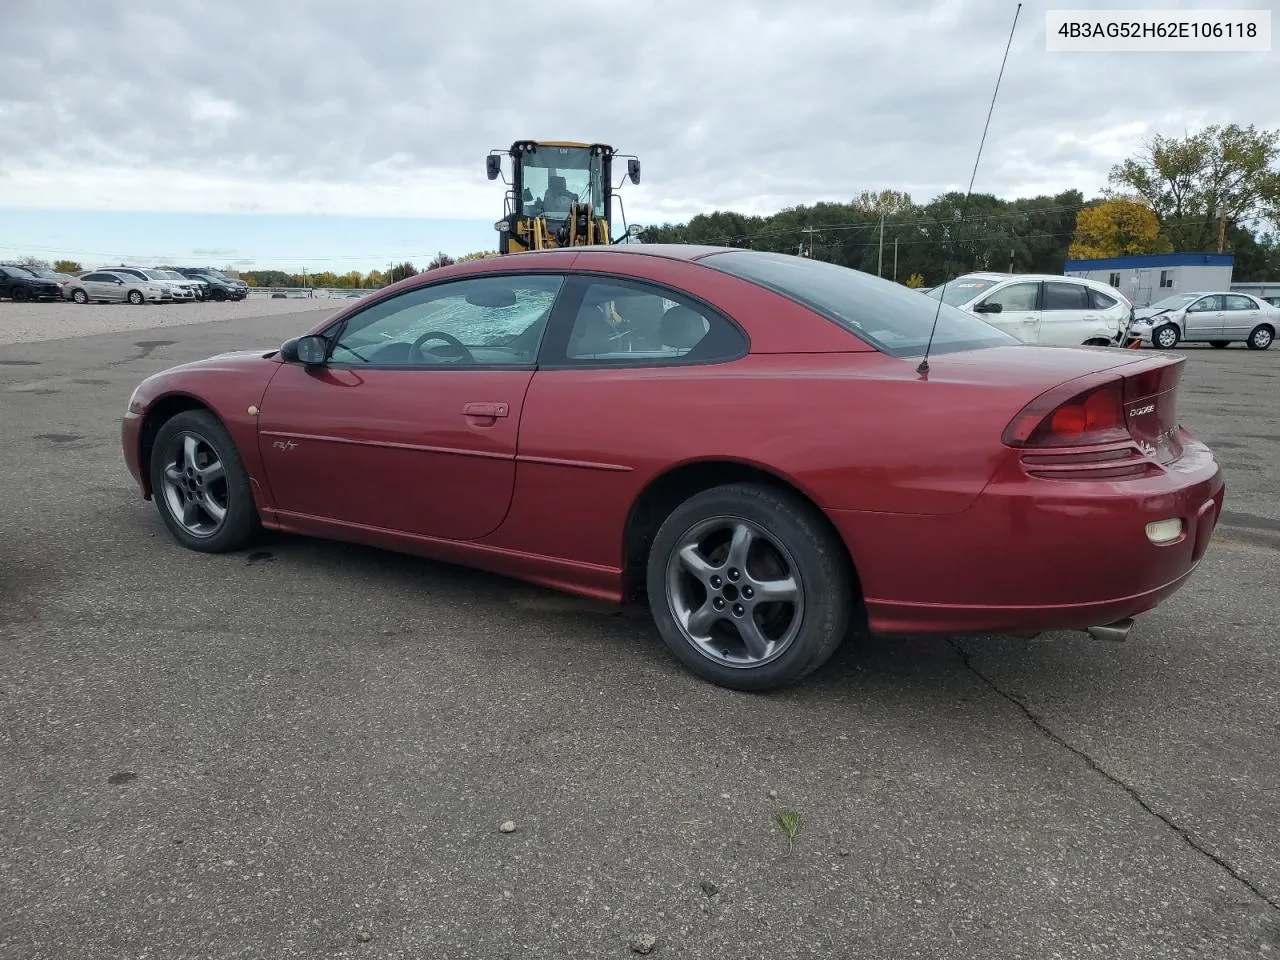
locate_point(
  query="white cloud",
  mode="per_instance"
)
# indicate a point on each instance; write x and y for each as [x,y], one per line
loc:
[383,109]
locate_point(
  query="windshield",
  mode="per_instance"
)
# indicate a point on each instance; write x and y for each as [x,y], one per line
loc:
[1174,302]
[556,176]
[893,318]
[17,271]
[961,289]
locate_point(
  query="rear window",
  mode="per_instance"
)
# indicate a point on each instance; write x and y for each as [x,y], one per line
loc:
[893,318]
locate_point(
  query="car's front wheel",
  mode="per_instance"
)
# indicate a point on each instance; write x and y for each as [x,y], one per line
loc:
[1261,337]
[200,485]
[135,297]
[749,587]
[1166,337]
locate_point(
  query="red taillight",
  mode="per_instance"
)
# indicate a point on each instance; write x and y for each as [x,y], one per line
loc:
[1095,415]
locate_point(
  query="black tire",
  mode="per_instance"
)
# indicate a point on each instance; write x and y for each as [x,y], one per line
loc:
[1165,337]
[812,551]
[1219,344]
[79,296]
[241,524]
[1261,337]
[135,297]
[21,294]
[219,294]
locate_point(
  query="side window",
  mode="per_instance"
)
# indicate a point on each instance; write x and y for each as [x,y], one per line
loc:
[1237,302]
[1016,296]
[1065,296]
[475,321]
[1100,301]
[626,322]
[1205,305]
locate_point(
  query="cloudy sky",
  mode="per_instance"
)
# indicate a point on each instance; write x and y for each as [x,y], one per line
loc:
[219,131]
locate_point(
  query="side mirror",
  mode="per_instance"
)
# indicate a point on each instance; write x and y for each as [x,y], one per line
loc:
[989,308]
[635,230]
[310,351]
[493,166]
[633,170]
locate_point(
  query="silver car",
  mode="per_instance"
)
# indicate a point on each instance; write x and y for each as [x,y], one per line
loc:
[95,286]
[1215,317]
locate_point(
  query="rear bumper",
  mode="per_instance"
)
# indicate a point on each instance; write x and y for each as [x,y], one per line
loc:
[1032,555]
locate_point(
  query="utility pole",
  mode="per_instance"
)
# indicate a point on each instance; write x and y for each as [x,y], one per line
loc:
[1011,261]
[880,267]
[895,259]
[1222,229]
[810,231]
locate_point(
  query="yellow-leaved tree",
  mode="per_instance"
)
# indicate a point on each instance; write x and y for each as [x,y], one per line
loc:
[915,281]
[1117,228]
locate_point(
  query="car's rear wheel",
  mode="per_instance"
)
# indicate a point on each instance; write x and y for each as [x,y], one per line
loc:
[748,586]
[79,296]
[1219,344]
[1261,337]
[1166,337]
[200,485]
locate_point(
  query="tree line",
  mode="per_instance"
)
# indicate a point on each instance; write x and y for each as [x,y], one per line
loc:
[1217,190]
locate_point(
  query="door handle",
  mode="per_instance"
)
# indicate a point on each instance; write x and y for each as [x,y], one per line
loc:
[484,409]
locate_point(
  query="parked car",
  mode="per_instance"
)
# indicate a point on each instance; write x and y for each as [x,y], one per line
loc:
[1043,308]
[1274,301]
[1214,317]
[749,441]
[177,290]
[63,280]
[21,285]
[111,286]
[200,288]
[221,286]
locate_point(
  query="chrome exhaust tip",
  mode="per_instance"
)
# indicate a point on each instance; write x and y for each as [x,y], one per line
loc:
[1116,632]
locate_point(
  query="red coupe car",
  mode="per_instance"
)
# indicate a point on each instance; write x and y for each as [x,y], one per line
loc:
[748,440]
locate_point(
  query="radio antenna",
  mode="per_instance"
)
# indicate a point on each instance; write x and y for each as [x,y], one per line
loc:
[964,207]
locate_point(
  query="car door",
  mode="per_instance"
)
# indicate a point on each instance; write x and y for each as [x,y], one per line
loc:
[1066,317]
[1204,319]
[103,286]
[1013,308]
[1239,316]
[411,423]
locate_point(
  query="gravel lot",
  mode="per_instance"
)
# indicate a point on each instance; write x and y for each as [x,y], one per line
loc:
[35,322]
[306,750]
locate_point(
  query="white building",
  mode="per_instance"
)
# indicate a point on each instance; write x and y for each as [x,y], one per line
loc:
[1150,277]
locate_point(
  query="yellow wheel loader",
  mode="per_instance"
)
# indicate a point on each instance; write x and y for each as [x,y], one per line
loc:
[560,194]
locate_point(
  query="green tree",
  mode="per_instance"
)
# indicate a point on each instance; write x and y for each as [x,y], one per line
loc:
[1200,183]
[67,266]
[441,259]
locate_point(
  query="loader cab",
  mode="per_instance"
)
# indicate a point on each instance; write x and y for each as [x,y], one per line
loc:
[560,194]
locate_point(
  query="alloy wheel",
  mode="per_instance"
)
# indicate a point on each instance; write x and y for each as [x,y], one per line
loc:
[195,484]
[735,592]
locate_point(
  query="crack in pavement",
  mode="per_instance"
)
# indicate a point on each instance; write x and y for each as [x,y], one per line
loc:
[1181,831]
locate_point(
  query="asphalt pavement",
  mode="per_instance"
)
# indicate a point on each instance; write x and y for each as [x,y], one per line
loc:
[307,749]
